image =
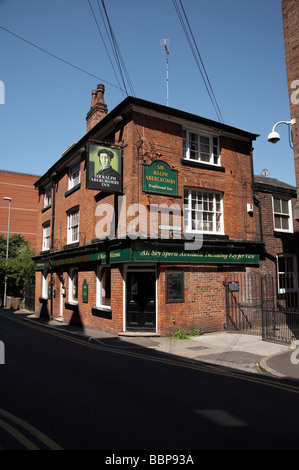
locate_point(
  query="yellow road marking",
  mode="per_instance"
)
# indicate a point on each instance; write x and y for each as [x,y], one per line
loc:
[28,427]
[204,368]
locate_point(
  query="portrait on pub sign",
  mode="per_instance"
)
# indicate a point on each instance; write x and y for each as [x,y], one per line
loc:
[104,168]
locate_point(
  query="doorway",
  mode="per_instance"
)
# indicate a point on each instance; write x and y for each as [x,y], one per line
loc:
[141,301]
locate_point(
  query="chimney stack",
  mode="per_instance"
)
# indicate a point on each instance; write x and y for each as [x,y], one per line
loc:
[98,108]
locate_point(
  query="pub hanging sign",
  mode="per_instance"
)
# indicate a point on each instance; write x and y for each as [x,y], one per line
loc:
[104,168]
[159,178]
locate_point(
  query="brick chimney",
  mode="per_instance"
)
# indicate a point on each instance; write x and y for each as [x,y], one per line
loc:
[98,108]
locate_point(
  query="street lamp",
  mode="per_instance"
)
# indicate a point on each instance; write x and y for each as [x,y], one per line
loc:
[7,247]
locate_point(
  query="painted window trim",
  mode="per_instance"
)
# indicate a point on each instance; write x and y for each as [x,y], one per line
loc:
[188,212]
[99,304]
[201,135]
[71,299]
[290,218]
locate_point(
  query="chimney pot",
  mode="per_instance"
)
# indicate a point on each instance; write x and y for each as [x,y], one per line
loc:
[98,107]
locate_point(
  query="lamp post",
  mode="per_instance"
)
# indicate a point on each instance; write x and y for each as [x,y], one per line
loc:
[7,247]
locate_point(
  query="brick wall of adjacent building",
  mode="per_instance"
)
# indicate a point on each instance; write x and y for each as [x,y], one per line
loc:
[24,205]
[290,15]
[276,242]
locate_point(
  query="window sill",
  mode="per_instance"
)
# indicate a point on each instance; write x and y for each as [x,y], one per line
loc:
[71,245]
[102,312]
[71,305]
[46,208]
[72,190]
[278,233]
[205,166]
[45,251]
[206,235]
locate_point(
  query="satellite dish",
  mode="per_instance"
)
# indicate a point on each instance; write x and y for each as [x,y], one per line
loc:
[265,172]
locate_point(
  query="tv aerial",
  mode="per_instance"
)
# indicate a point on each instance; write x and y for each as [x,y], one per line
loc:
[165,48]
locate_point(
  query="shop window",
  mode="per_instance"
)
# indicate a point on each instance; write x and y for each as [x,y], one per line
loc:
[104,287]
[201,148]
[282,213]
[46,236]
[73,285]
[73,226]
[203,212]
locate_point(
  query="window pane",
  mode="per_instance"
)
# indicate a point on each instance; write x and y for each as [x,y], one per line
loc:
[281,264]
[284,223]
[205,149]
[284,206]
[277,222]
[277,205]
[289,264]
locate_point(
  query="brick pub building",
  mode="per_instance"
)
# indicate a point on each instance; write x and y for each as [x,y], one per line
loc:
[145,246]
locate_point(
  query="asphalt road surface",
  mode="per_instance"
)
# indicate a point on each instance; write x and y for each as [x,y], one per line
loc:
[61,391]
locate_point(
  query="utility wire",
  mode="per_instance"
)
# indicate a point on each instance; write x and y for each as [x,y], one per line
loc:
[59,58]
[203,72]
[117,54]
[100,33]
[200,64]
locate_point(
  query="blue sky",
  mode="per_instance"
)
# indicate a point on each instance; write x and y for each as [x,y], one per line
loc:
[46,100]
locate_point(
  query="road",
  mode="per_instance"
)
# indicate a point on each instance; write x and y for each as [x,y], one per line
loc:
[61,391]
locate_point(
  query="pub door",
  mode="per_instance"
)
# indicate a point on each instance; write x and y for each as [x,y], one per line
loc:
[141,301]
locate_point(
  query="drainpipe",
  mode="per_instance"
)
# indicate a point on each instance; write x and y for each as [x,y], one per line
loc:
[52,239]
[255,199]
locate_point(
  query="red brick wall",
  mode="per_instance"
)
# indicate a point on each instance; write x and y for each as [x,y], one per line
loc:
[24,205]
[290,15]
[204,302]
[153,135]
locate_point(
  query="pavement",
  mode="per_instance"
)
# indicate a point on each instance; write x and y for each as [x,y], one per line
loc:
[243,352]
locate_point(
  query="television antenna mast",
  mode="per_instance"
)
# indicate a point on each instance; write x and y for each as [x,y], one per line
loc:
[165,48]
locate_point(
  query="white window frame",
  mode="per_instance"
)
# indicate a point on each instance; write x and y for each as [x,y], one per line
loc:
[193,204]
[283,215]
[46,236]
[99,288]
[73,284]
[73,219]
[74,176]
[47,197]
[286,274]
[195,147]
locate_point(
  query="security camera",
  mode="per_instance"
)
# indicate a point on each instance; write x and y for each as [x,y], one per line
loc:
[273,137]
